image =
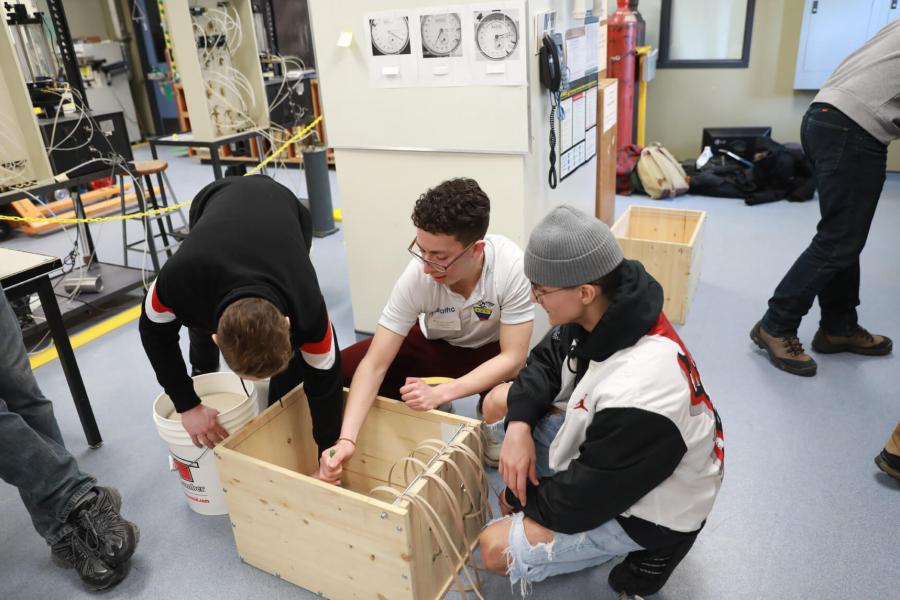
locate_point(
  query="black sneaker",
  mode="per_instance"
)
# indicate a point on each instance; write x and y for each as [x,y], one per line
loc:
[77,551]
[98,517]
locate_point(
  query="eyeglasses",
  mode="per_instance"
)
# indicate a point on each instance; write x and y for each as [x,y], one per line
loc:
[437,266]
[537,294]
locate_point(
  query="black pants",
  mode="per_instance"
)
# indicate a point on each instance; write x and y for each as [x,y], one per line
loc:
[204,353]
[850,171]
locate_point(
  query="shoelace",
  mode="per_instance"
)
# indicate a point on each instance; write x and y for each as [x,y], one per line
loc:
[80,548]
[627,596]
[862,332]
[101,521]
[793,345]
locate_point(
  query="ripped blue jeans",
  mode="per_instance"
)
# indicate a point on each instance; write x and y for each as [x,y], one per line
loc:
[567,553]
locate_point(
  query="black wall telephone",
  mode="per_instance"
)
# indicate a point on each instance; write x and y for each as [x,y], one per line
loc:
[551,69]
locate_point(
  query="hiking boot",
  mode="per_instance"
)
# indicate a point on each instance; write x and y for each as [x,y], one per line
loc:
[859,341]
[889,463]
[97,515]
[785,352]
[76,550]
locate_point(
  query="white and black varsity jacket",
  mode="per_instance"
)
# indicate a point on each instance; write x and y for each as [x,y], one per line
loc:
[641,441]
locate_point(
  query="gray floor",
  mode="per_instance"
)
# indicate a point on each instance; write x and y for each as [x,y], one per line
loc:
[803,512]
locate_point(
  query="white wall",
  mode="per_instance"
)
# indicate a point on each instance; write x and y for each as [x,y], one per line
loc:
[382,137]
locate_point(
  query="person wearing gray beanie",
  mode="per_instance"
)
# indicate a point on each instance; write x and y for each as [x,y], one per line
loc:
[610,443]
[569,248]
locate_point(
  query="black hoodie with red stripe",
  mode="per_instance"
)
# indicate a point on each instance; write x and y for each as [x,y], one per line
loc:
[249,237]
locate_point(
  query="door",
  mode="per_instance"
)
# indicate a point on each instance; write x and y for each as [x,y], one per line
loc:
[832,29]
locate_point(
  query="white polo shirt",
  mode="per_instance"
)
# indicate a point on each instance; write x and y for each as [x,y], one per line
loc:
[502,295]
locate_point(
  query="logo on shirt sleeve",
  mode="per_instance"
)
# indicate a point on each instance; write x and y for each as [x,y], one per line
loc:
[484,310]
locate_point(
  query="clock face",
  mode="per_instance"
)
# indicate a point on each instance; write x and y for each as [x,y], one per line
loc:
[496,36]
[441,34]
[390,35]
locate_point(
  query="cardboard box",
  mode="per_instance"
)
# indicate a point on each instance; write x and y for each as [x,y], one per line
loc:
[669,242]
[348,542]
[607,106]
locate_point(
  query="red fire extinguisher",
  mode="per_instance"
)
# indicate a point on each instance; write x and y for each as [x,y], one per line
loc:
[624,28]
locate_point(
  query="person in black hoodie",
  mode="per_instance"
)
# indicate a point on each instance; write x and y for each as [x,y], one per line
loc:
[243,281]
[611,444]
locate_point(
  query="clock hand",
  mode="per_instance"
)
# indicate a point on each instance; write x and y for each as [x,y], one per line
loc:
[440,33]
[395,35]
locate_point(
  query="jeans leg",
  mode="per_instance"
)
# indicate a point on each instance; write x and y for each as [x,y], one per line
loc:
[204,354]
[838,301]
[32,454]
[850,172]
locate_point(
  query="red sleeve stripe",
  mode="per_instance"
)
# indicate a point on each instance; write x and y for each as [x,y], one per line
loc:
[323,346]
[321,354]
[155,310]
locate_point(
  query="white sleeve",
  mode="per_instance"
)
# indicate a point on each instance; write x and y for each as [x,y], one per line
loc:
[403,307]
[515,296]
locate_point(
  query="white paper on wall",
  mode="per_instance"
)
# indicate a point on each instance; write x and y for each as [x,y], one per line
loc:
[610,106]
[499,38]
[565,124]
[578,118]
[445,47]
[575,53]
[590,107]
[565,164]
[590,143]
[591,47]
[391,40]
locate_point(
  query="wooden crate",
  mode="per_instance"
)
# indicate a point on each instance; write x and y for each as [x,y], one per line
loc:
[345,542]
[669,242]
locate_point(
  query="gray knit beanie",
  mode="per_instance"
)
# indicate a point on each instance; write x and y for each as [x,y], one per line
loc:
[569,248]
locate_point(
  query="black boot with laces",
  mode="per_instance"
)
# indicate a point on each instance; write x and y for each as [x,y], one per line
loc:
[76,551]
[98,516]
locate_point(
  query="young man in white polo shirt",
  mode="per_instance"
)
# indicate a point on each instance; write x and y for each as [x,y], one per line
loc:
[461,309]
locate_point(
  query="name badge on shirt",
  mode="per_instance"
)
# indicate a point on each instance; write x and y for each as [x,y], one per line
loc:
[443,319]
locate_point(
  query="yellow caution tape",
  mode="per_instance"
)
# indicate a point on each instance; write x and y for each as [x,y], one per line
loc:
[155,211]
[80,339]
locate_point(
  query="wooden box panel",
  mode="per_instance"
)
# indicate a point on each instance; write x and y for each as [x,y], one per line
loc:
[345,542]
[669,242]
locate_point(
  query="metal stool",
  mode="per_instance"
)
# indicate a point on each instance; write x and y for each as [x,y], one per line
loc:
[148,200]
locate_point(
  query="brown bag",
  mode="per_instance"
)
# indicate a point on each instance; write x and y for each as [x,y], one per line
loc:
[660,174]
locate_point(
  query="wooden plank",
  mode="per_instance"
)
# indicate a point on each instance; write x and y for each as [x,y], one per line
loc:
[432,571]
[317,110]
[668,242]
[287,440]
[96,209]
[318,536]
[285,522]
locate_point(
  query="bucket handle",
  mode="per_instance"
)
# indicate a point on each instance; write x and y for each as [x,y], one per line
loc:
[194,464]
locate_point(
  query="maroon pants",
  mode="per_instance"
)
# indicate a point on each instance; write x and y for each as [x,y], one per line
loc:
[419,357]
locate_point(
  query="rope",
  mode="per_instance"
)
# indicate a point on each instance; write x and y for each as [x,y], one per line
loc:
[156,211]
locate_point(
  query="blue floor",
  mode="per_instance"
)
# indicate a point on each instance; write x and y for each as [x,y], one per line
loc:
[803,512]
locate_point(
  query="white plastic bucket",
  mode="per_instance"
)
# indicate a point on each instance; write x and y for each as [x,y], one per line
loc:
[196,467]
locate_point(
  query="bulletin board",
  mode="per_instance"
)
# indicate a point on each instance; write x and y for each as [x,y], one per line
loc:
[360,115]
[577,111]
